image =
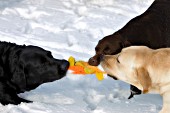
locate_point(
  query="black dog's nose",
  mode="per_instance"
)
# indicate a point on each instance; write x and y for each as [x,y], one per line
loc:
[64,65]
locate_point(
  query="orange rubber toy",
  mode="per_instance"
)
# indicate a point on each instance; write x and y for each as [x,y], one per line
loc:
[82,67]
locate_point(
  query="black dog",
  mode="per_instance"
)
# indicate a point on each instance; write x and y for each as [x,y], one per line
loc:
[152,29]
[23,68]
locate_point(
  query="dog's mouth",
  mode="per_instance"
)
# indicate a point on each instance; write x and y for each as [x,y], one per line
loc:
[106,65]
[115,78]
[64,66]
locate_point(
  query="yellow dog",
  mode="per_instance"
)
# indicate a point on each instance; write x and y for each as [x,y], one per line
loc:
[145,68]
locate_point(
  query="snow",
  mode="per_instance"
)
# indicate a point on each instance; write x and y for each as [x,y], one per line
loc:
[73,28]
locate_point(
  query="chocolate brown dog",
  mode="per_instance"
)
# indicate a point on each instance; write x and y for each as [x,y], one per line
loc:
[152,29]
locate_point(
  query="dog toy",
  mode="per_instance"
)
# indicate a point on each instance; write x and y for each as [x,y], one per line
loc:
[82,67]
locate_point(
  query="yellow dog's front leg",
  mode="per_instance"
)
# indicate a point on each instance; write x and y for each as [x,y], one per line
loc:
[166,103]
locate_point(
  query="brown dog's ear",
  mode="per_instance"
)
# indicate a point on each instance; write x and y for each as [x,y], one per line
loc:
[126,43]
[144,79]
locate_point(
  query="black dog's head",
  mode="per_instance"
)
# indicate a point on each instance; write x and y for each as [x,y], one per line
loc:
[33,66]
[109,45]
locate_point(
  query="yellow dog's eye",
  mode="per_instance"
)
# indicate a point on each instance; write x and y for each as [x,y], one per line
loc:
[117,58]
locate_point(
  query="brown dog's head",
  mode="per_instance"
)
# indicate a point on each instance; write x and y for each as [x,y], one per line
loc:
[109,45]
[129,66]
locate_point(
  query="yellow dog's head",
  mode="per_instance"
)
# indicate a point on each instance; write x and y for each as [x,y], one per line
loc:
[129,66]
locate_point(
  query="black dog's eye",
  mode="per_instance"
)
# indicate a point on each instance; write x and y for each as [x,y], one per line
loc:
[43,59]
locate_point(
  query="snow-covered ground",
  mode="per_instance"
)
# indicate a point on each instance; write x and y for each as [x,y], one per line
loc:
[73,28]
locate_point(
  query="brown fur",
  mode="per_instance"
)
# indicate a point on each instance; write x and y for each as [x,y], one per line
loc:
[144,79]
[152,29]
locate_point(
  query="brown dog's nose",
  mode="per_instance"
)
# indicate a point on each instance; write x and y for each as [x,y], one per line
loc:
[92,61]
[95,60]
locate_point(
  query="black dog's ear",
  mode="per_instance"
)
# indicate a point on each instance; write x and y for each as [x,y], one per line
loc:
[1,71]
[18,77]
[17,71]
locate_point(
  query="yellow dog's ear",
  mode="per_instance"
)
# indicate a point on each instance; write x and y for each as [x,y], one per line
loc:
[144,79]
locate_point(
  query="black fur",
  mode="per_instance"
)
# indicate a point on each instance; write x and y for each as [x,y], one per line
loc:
[23,68]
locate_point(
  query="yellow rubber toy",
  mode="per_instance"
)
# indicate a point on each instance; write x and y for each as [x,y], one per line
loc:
[82,67]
